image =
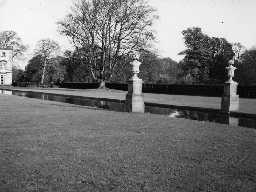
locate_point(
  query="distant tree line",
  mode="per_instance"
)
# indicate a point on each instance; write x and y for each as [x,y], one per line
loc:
[206,58]
[203,63]
[72,68]
[108,34]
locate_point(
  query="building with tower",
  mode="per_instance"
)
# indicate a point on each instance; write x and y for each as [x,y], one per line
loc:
[6,63]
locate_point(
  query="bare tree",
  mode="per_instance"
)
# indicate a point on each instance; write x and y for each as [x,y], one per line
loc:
[10,39]
[47,49]
[238,50]
[108,30]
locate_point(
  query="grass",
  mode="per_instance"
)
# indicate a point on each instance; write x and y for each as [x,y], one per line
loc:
[50,146]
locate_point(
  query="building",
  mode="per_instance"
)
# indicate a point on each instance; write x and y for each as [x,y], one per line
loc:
[5,66]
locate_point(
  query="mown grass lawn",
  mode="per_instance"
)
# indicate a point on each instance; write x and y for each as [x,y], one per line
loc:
[50,146]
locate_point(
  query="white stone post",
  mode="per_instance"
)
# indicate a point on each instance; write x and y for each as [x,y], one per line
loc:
[230,99]
[134,97]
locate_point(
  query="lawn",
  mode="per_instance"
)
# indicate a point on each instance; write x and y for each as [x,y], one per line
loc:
[51,146]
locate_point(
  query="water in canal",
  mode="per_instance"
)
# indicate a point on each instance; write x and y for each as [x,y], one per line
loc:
[119,105]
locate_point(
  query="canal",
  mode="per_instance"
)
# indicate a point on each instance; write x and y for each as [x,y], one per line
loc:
[193,113]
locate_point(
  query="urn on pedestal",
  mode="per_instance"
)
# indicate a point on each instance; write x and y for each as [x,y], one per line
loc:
[134,97]
[230,99]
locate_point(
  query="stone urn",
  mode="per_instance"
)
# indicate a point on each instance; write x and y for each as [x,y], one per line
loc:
[230,99]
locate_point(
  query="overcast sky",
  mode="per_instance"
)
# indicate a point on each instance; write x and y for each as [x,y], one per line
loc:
[36,19]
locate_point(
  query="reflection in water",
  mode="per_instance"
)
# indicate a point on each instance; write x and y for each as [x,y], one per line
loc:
[202,115]
[117,105]
[174,114]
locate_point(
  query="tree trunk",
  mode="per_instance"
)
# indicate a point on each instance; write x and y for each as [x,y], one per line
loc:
[102,84]
[43,75]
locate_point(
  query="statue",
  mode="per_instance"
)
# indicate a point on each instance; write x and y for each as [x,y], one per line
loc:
[231,71]
[134,97]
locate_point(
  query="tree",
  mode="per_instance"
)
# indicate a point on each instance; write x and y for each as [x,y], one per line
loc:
[205,57]
[70,65]
[18,75]
[169,70]
[123,72]
[10,39]
[153,69]
[75,70]
[54,71]
[47,49]
[197,53]
[246,68]
[149,67]
[33,71]
[238,49]
[221,54]
[108,30]
[157,70]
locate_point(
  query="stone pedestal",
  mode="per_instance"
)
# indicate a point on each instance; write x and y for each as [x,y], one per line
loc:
[134,97]
[233,121]
[230,99]
[227,119]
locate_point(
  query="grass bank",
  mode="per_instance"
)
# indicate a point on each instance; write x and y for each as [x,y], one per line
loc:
[50,146]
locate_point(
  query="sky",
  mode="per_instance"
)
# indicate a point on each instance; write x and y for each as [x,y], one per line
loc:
[232,19]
